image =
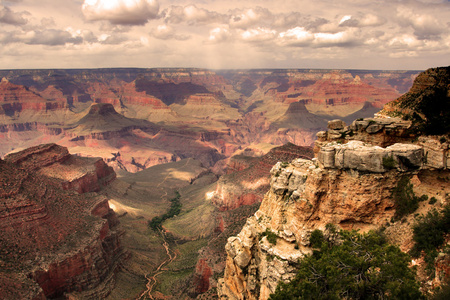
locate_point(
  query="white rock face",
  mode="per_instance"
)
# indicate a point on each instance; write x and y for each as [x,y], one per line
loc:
[436,154]
[362,157]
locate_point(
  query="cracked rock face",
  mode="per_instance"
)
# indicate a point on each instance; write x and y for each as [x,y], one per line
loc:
[360,156]
[303,196]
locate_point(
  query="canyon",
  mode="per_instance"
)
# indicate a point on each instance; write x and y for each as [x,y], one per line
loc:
[246,152]
[137,118]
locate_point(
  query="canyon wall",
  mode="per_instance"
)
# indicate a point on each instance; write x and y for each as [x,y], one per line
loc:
[349,184]
[59,239]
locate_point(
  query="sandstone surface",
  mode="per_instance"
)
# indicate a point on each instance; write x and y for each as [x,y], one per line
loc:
[57,241]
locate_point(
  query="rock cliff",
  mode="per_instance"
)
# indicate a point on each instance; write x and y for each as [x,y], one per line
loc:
[59,239]
[248,186]
[349,184]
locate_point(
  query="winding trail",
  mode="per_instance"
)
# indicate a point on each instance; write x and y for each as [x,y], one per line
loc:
[151,280]
[171,254]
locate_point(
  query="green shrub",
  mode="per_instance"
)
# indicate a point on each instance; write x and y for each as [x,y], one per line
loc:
[429,234]
[175,209]
[444,292]
[362,266]
[423,198]
[316,239]
[432,200]
[405,200]
[389,162]
[271,237]
[284,164]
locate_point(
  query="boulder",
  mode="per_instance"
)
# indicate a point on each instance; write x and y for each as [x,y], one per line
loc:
[336,124]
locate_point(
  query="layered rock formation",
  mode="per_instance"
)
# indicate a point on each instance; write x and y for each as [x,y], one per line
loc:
[248,185]
[56,241]
[217,113]
[348,184]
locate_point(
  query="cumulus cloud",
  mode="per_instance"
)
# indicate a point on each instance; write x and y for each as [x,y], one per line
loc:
[300,37]
[339,39]
[297,36]
[121,12]
[51,37]
[362,20]
[219,34]
[244,19]
[115,39]
[166,32]
[425,26]
[7,16]
[258,35]
[190,14]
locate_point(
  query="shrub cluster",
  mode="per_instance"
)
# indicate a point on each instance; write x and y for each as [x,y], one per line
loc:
[175,209]
[271,237]
[429,234]
[360,266]
[406,202]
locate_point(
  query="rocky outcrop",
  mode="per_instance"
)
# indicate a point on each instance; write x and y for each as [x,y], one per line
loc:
[427,104]
[57,243]
[362,157]
[382,132]
[349,184]
[248,186]
[303,196]
[75,173]
[202,275]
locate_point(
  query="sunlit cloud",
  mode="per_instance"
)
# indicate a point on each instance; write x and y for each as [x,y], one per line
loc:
[258,35]
[166,32]
[362,20]
[218,35]
[247,18]
[297,36]
[191,14]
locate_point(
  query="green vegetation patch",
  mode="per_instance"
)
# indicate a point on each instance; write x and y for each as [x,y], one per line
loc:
[389,162]
[406,202]
[359,266]
[429,234]
[175,209]
[271,237]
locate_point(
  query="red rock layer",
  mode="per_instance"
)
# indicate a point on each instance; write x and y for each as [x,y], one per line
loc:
[248,186]
[54,241]
[16,98]
[201,276]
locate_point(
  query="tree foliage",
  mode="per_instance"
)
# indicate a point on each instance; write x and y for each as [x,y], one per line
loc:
[429,233]
[175,209]
[361,266]
[405,200]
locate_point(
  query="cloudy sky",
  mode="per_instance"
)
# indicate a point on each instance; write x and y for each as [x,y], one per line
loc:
[351,34]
